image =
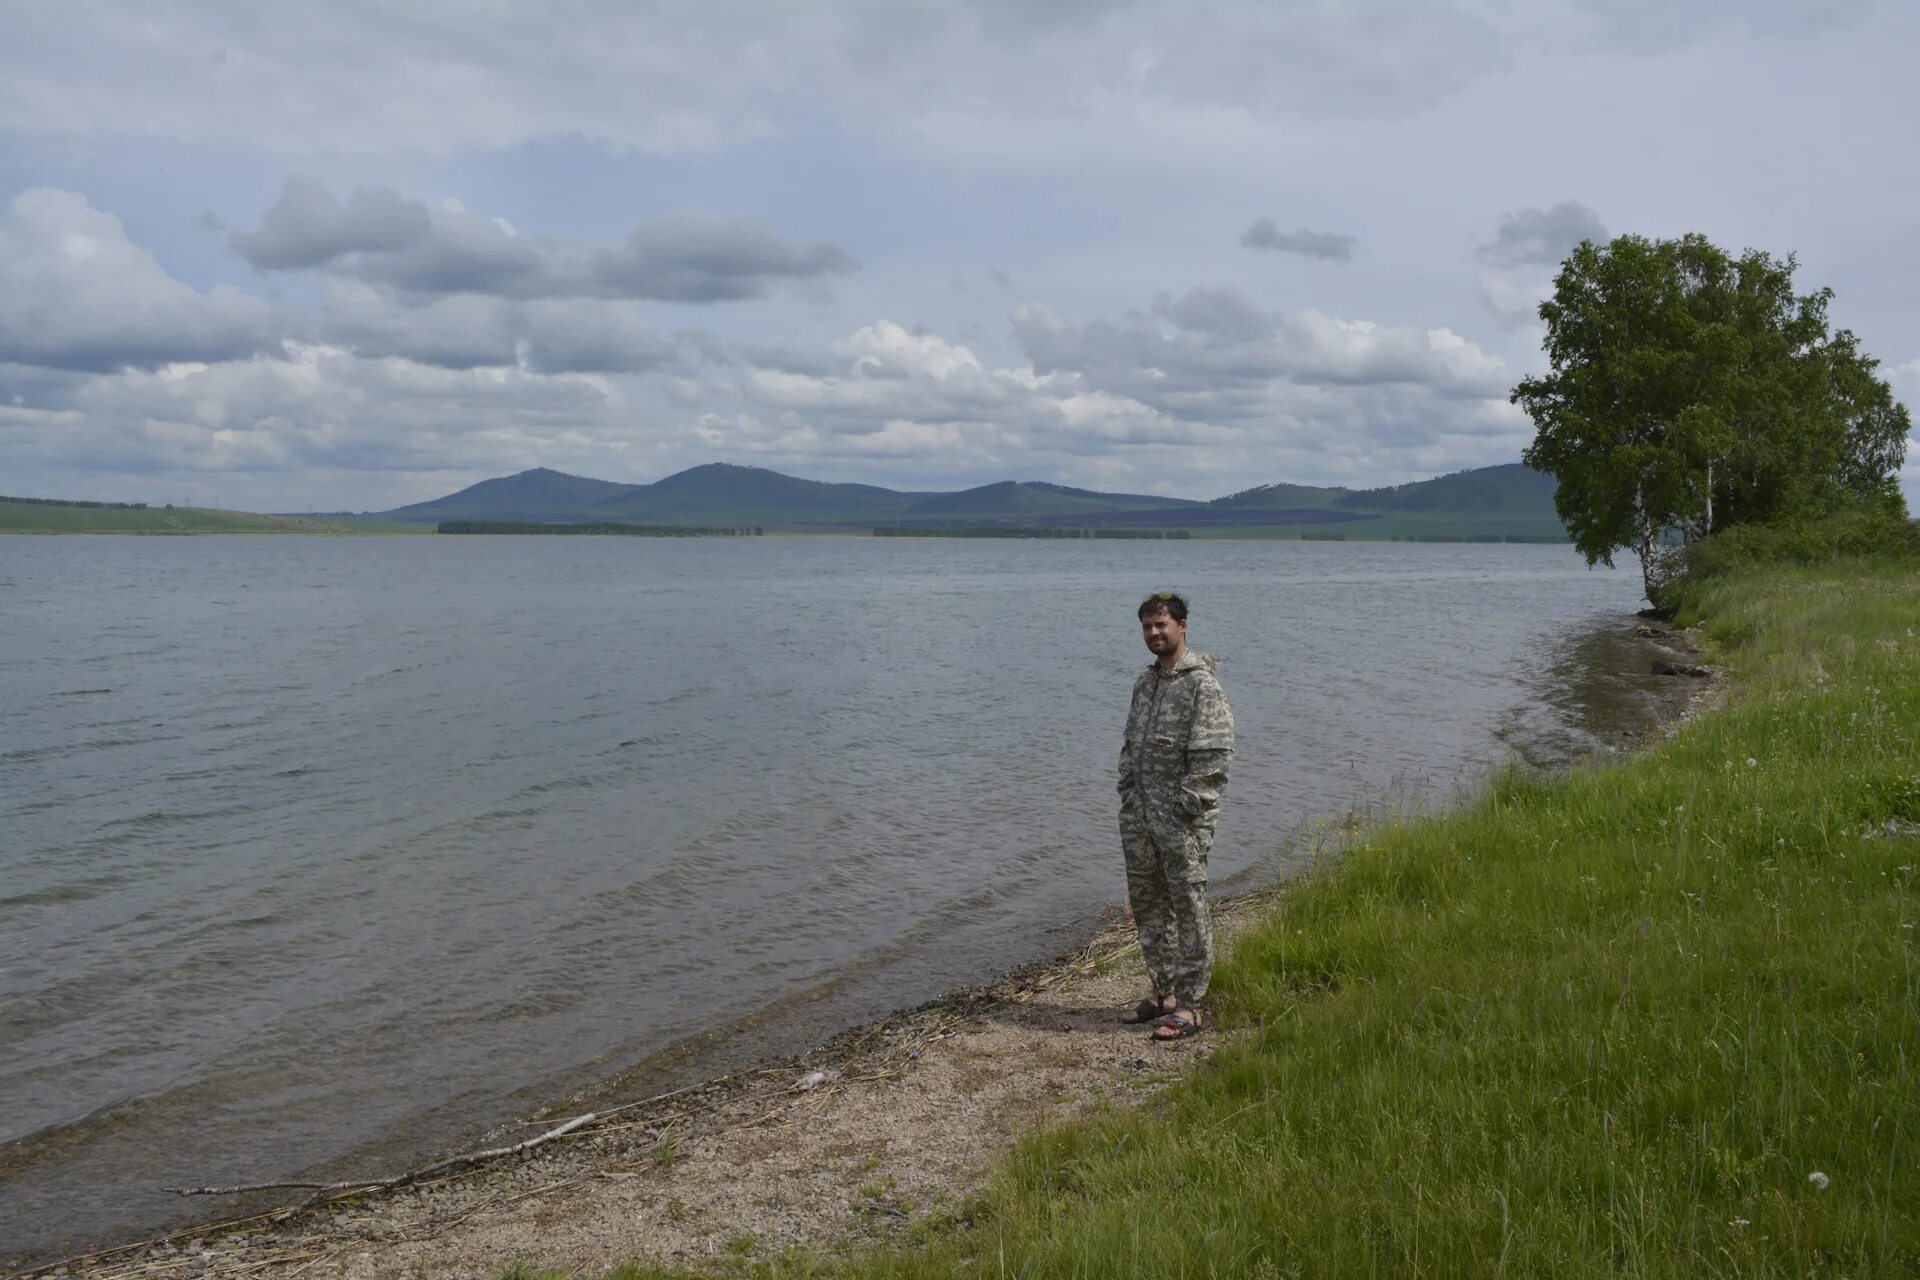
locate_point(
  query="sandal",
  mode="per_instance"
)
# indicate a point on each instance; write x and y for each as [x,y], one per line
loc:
[1178,1025]
[1146,1011]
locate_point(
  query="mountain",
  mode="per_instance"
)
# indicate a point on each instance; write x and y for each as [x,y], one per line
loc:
[1282,497]
[721,493]
[1508,499]
[539,494]
[1009,498]
[1510,489]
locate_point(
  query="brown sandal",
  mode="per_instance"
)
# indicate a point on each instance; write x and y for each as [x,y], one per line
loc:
[1146,1011]
[1178,1025]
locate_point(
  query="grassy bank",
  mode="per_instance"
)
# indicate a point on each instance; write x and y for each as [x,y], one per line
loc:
[28,517]
[1661,1018]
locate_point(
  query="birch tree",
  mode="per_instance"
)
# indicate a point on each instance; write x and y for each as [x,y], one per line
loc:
[1689,390]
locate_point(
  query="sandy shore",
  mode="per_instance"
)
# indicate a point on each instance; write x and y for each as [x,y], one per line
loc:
[884,1127]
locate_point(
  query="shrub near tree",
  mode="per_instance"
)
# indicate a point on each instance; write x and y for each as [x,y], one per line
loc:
[1691,391]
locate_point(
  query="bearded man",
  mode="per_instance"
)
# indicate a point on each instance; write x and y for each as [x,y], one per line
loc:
[1173,765]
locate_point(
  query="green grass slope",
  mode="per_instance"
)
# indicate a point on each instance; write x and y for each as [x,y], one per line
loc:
[1284,497]
[33,517]
[1655,1019]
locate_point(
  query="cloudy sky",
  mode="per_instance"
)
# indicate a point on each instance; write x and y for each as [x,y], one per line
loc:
[315,256]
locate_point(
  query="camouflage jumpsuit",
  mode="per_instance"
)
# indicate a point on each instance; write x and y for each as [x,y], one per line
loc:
[1173,764]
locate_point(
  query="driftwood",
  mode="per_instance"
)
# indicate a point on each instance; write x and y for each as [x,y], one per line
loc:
[451,1162]
[412,1175]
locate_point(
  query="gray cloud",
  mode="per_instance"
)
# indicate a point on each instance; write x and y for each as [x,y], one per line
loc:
[464,332]
[385,239]
[75,293]
[596,337]
[1542,237]
[704,257]
[472,331]
[362,78]
[307,227]
[1219,313]
[1327,245]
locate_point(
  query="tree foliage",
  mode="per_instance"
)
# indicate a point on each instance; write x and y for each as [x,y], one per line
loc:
[1690,390]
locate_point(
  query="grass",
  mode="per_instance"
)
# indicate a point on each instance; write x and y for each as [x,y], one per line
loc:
[1610,1023]
[30,517]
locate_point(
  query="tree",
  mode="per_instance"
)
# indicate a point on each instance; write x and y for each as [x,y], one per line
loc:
[1690,390]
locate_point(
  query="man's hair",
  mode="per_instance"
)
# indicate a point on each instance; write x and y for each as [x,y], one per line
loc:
[1164,602]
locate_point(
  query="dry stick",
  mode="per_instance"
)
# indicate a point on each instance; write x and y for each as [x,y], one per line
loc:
[312,1261]
[414,1175]
[277,1186]
[185,1233]
[376,1184]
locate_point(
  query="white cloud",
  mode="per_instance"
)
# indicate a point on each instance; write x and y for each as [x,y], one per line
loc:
[76,293]
[321,408]
[1185,397]
[1514,298]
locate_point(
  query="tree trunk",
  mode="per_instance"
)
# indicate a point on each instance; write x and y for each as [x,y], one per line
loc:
[1648,541]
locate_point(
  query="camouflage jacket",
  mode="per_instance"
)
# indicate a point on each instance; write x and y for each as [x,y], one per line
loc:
[1179,743]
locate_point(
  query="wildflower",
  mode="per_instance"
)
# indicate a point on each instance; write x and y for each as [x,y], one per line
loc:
[1819,1180]
[1751,762]
[1739,1222]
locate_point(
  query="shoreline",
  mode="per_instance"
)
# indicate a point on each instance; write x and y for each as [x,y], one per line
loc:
[622,1140]
[844,1142]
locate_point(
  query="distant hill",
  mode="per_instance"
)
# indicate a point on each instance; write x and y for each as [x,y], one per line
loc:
[54,516]
[539,494]
[1512,488]
[1010,498]
[1282,497]
[721,493]
[1508,499]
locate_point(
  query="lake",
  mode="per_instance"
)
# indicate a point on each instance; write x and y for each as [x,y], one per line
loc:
[322,854]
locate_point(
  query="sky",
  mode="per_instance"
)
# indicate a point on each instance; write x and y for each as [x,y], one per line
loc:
[345,256]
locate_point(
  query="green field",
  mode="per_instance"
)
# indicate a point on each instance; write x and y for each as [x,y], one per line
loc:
[1659,1018]
[34,517]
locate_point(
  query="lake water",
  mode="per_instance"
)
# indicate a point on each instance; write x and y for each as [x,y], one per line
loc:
[321,854]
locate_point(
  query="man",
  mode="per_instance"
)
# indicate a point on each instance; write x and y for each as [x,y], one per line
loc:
[1173,763]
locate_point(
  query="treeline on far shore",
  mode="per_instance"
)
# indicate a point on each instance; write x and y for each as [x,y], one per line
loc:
[1022,531]
[1552,539]
[80,502]
[599,527]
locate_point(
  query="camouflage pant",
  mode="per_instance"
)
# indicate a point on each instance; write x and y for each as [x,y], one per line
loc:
[1167,889]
